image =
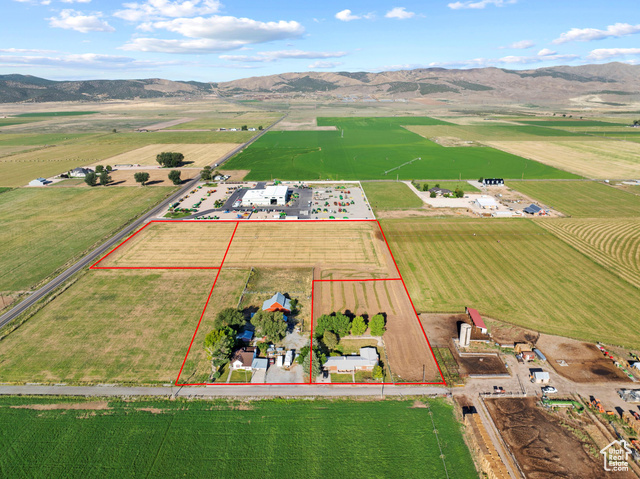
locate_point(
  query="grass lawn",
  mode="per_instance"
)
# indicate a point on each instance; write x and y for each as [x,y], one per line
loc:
[583,199]
[162,438]
[110,326]
[341,378]
[390,196]
[366,148]
[514,271]
[240,376]
[41,229]
[449,185]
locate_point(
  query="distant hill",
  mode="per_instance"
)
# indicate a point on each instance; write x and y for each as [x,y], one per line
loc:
[611,84]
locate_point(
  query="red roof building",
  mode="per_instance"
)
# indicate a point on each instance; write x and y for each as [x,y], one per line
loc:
[477,320]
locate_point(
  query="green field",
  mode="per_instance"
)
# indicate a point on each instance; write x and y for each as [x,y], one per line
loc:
[495,132]
[15,121]
[390,196]
[371,146]
[55,113]
[230,120]
[31,139]
[110,327]
[41,229]
[514,271]
[268,439]
[582,199]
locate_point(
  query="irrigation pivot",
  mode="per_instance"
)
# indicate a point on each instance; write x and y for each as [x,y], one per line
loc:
[403,164]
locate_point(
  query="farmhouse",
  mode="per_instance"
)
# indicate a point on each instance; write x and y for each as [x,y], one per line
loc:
[243,358]
[38,182]
[486,202]
[278,302]
[80,172]
[366,361]
[493,182]
[275,195]
[477,320]
[440,191]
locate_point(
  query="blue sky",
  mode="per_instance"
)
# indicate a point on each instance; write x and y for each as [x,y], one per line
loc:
[211,40]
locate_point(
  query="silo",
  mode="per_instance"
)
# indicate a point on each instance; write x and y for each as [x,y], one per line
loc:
[465,335]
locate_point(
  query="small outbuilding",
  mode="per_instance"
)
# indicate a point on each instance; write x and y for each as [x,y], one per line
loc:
[277,303]
[246,336]
[540,377]
[477,319]
[534,210]
[39,182]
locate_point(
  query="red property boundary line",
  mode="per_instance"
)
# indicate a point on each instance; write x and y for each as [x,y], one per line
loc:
[219,269]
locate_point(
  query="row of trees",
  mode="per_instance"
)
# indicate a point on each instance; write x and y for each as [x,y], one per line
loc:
[207,174]
[168,159]
[342,325]
[141,177]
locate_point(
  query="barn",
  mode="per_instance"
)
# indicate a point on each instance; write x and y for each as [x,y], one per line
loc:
[278,302]
[477,319]
[534,210]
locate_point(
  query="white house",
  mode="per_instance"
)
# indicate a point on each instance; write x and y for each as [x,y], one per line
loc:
[366,361]
[275,195]
[38,182]
[243,358]
[80,172]
[486,202]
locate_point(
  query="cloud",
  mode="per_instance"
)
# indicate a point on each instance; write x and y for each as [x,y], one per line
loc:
[479,4]
[160,9]
[25,50]
[73,20]
[609,53]
[347,16]
[89,61]
[589,34]
[283,54]
[545,52]
[75,1]
[542,56]
[323,64]
[521,45]
[200,45]
[400,13]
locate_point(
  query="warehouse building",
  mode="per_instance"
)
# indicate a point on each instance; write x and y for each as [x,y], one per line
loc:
[486,202]
[275,195]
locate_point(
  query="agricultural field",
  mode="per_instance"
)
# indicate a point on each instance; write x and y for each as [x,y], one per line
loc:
[403,333]
[251,119]
[502,132]
[110,326]
[376,148]
[384,196]
[198,155]
[126,177]
[514,271]
[596,158]
[570,123]
[173,244]
[152,438]
[612,243]
[581,199]
[42,229]
[45,114]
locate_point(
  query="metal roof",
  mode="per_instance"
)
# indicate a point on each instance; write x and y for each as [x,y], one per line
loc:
[486,201]
[277,298]
[260,363]
[367,357]
[532,209]
[475,317]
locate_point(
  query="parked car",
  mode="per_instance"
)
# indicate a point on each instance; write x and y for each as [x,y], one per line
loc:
[549,390]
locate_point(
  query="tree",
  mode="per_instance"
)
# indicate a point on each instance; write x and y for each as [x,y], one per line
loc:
[108,168]
[205,174]
[459,193]
[480,180]
[313,364]
[114,131]
[270,325]
[260,128]
[432,194]
[378,372]
[99,169]
[174,176]
[294,306]
[636,122]
[437,185]
[377,325]
[170,159]
[244,127]
[330,339]
[218,345]
[304,352]
[425,187]
[337,323]
[358,326]
[229,317]
[91,179]
[141,177]
[105,179]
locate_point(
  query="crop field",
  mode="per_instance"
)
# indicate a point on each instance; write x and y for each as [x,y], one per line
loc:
[586,199]
[198,155]
[390,196]
[43,437]
[173,244]
[157,177]
[41,229]
[376,148]
[110,326]
[408,353]
[570,123]
[230,120]
[594,158]
[28,140]
[612,243]
[514,271]
[493,132]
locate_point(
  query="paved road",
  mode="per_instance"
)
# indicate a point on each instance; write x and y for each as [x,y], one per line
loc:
[92,256]
[262,390]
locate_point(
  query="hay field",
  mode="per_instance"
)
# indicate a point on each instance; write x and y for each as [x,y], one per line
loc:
[157,176]
[514,271]
[174,244]
[406,347]
[110,326]
[198,155]
[338,249]
[593,158]
[586,199]
[613,243]
[41,229]
[230,120]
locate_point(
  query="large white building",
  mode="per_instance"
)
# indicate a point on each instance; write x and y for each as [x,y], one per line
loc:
[275,195]
[486,202]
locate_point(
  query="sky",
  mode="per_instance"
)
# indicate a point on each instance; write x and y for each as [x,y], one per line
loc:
[219,40]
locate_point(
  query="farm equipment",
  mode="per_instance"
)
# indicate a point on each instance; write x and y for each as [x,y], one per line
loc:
[596,404]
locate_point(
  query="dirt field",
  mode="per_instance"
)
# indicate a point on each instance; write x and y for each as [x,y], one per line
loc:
[541,445]
[593,159]
[410,359]
[174,244]
[194,155]
[585,362]
[339,249]
[157,177]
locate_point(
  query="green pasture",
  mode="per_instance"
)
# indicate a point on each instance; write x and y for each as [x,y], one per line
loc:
[366,148]
[582,199]
[384,195]
[272,438]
